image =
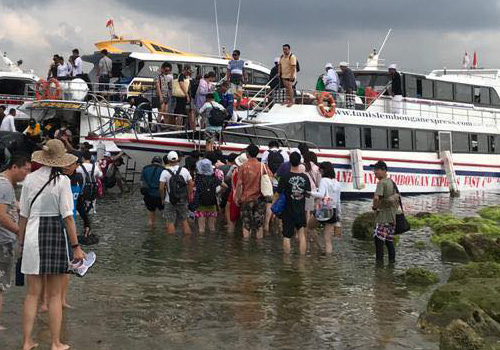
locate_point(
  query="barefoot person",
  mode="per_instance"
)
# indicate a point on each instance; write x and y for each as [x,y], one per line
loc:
[46,198]
[17,169]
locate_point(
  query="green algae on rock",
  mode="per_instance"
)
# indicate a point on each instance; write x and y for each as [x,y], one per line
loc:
[460,336]
[475,270]
[492,213]
[363,225]
[420,276]
[453,252]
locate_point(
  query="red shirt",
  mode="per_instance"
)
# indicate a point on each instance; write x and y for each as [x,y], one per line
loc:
[249,175]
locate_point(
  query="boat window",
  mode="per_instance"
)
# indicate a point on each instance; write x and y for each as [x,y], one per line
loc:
[394,139]
[379,138]
[149,69]
[463,93]
[405,140]
[293,131]
[13,87]
[260,78]
[339,136]
[223,72]
[425,141]
[495,100]
[367,138]
[374,80]
[427,89]
[491,144]
[443,91]
[411,89]
[482,95]
[460,142]
[249,75]
[320,133]
[474,144]
[482,143]
[156,47]
[215,69]
[352,135]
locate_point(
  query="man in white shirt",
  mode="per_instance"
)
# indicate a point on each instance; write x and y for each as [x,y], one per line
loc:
[104,71]
[331,80]
[176,200]
[8,121]
[63,70]
[77,64]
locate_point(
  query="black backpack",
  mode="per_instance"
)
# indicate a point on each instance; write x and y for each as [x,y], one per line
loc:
[207,190]
[89,190]
[177,187]
[216,117]
[274,160]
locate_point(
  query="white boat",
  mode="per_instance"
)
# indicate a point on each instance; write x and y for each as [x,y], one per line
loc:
[446,137]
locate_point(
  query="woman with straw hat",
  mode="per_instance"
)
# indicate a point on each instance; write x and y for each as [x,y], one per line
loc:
[46,202]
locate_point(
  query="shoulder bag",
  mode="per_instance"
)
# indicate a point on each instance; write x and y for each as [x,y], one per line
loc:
[402,225]
[266,185]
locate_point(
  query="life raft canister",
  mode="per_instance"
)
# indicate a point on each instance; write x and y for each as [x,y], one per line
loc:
[41,89]
[324,110]
[53,93]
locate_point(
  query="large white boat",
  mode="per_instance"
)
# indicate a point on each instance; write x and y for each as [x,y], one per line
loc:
[446,137]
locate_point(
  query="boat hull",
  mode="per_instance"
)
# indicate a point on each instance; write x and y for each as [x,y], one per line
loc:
[413,172]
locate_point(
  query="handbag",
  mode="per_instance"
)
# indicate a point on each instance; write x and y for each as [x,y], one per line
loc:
[402,224]
[325,210]
[266,185]
[279,205]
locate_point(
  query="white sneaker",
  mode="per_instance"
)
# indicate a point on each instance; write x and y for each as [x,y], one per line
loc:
[80,268]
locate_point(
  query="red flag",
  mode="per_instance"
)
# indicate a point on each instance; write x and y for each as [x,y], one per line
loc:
[474,61]
[109,23]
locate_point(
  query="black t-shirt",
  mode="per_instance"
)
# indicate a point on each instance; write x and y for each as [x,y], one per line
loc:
[396,84]
[295,186]
[143,102]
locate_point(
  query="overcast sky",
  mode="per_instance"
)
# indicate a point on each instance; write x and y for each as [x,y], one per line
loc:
[427,34]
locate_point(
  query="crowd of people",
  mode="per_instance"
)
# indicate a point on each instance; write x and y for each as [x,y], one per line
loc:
[283,191]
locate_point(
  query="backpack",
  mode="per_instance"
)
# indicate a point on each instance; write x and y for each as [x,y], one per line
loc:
[216,117]
[207,190]
[177,187]
[153,182]
[89,190]
[274,160]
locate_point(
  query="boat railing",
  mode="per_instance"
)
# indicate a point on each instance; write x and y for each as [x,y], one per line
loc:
[414,107]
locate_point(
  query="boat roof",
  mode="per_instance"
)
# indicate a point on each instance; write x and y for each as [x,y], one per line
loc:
[160,52]
[8,74]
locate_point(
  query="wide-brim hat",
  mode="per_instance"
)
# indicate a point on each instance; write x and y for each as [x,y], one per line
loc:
[204,167]
[241,159]
[54,154]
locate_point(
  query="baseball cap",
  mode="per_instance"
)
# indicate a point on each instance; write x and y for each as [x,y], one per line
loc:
[328,65]
[107,154]
[392,66]
[380,165]
[172,156]
[343,64]
[157,160]
[277,59]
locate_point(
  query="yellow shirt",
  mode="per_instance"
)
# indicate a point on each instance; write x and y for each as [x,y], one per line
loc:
[33,131]
[288,66]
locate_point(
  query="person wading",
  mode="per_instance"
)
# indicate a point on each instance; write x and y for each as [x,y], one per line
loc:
[150,189]
[46,203]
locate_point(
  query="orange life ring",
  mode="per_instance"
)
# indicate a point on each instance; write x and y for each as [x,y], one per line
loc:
[53,94]
[41,89]
[322,109]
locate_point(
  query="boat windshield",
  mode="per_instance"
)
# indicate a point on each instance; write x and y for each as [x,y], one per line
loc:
[377,81]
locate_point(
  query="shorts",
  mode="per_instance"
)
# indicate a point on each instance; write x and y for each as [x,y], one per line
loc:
[175,212]
[6,266]
[290,224]
[206,211]
[384,231]
[211,135]
[153,203]
[253,214]
[235,89]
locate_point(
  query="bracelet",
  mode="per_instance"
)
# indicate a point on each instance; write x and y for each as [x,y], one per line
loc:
[75,245]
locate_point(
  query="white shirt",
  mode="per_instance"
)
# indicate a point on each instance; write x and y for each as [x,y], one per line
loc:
[286,157]
[56,199]
[165,177]
[331,80]
[105,66]
[329,188]
[63,70]
[78,66]
[207,107]
[88,167]
[8,123]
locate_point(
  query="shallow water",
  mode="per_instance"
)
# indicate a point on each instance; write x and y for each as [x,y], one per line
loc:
[150,290]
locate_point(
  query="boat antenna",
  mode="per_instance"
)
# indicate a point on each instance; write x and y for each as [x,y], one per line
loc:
[385,40]
[237,24]
[217,27]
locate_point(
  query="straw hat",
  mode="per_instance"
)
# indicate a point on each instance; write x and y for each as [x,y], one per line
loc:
[241,159]
[54,154]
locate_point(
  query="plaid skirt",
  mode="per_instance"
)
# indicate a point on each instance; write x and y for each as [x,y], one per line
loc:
[45,247]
